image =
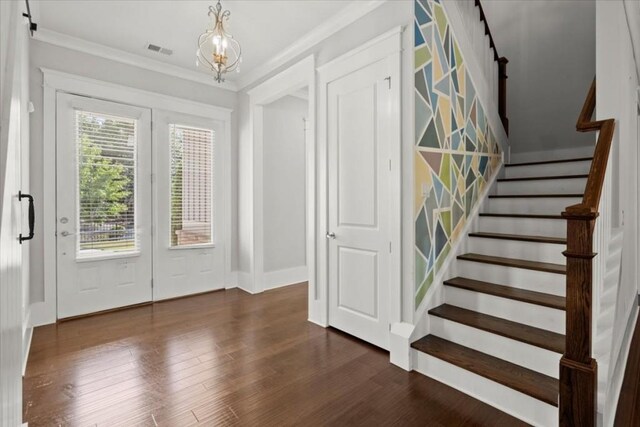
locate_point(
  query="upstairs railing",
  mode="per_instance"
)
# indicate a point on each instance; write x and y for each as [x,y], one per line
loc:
[578,369]
[493,65]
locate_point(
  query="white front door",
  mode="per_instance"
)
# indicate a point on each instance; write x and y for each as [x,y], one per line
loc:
[358,108]
[104,213]
[189,248]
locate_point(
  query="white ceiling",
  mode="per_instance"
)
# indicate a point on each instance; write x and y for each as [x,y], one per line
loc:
[263,27]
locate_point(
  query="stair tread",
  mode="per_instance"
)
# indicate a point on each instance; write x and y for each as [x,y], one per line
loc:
[527,381]
[514,262]
[540,178]
[513,215]
[531,196]
[548,162]
[532,297]
[521,237]
[542,338]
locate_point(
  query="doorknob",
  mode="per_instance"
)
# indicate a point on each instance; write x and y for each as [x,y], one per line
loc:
[331,235]
[65,234]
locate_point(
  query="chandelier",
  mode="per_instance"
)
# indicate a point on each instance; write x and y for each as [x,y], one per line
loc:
[217,49]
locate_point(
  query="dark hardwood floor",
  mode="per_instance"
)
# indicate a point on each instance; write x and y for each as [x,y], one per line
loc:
[228,358]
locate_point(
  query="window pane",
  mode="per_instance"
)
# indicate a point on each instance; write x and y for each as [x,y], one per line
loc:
[191,185]
[106,150]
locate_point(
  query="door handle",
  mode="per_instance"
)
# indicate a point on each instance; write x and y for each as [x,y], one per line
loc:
[331,235]
[65,234]
[32,216]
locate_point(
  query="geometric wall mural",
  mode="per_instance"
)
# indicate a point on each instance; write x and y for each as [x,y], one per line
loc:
[455,152]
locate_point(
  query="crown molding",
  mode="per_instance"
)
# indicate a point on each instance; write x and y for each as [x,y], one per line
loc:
[349,15]
[102,51]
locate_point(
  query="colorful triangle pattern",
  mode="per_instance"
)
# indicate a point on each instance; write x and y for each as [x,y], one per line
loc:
[456,149]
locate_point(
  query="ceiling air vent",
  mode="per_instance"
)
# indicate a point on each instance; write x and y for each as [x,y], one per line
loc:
[159,49]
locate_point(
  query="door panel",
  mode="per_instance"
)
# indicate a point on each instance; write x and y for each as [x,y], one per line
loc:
[104,205]
[188,245]
[358,143]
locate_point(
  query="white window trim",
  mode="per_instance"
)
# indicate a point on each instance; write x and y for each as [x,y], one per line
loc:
[45,312]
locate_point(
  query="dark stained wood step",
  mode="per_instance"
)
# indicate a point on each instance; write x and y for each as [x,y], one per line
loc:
[514,262]
[516,331]
[531,383]
[549,162]
[520,237]
[533,216]
[531,297]
[532,196]
[541,178]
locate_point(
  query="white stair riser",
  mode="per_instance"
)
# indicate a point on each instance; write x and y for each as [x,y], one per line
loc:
[543,186]
[532,251]
[552,169]
[540,281]
[517,311]
[522,354]
[531,205]
[507,400]
[530,226]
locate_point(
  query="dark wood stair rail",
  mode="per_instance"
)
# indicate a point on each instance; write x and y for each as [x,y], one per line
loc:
[578,370]
[502,71]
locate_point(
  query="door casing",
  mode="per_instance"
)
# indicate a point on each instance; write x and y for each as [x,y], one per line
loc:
[387,47]
[44,312]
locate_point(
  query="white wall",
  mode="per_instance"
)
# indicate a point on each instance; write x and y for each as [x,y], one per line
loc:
[550,48]
[617,83]
[74,62]
[284,184]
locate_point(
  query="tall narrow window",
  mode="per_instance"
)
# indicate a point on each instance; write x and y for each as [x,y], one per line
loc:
[106,183]
[191,185]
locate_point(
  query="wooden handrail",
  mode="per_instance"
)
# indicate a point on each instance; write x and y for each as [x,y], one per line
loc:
[578,370]
[502,70]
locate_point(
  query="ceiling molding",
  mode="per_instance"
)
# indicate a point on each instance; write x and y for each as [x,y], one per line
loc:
[344,18]
[96,49]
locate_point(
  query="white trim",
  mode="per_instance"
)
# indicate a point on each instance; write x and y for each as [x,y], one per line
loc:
[400,345]
[332,69]
[343,19]
[102,51]
[26,340]
[387,46]
[298,76]
[45,312]
[286,277]
[617,378]
[232,280]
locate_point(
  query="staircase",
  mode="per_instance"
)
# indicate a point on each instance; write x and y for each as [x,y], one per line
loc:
[499,335]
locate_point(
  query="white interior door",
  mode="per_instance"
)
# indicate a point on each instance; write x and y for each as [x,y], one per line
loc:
[358,108]
[104,242]
[189,255]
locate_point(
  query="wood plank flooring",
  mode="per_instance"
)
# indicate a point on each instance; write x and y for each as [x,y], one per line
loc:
[228,358]
[628,413]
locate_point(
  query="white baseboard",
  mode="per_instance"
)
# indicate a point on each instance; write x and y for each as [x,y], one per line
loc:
[42,313]
[400,345]
[289,276]
[232,281]
[245,281]
[617,378]
[26,340]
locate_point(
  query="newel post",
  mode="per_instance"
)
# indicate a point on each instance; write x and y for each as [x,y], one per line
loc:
[578,370]
[502,92]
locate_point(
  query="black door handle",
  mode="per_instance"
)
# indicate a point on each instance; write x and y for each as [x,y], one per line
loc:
[32,216]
